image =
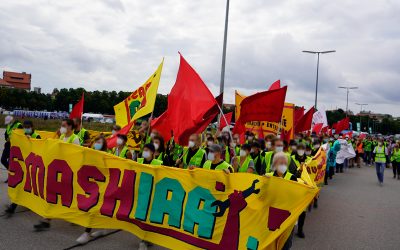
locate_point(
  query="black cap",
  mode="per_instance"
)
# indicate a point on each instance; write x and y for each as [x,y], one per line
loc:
[150,146]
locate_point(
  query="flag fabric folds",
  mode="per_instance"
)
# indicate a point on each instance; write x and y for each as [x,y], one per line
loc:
[304,122]
[189,104]
[317,128]
[342,125]
[226,118]
[140,102]
[77,110]
[275,85]
[262,106]
[298,113]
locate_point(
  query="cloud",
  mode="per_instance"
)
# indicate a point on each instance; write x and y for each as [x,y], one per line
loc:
[116,45]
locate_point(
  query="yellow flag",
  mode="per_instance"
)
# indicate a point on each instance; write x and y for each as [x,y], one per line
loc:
[140,102]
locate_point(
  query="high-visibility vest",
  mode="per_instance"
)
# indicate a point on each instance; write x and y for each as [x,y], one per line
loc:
[227,155]
[360,148]
[196,158]
[81,135]
[71,139]
[160,156]
[34,135]
[298,164]
[121,154]
[11,127]
[268,160]
[237,150]
[380,155]
[287,176]
[395,155]
[243,168]
[154,162]
[223,165]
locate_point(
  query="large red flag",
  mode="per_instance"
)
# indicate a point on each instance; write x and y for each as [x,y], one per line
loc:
[262,106]
[305,121]
[77,110]
[298,113]
[285,135]
[226,118]
[342,125]
[275,85]
[112,141]
[317,128]
[188,103]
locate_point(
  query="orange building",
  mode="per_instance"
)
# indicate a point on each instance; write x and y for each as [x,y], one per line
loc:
[16,80]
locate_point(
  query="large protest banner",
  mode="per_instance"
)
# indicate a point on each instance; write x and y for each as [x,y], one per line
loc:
[316,167]
[175,208]
[264,127]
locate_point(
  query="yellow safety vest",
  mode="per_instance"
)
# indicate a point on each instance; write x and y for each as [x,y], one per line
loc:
[243,168]
[71,139]
[380,155]
[223,165]
[154,162]
[196,158]
[287,176]
[121,154]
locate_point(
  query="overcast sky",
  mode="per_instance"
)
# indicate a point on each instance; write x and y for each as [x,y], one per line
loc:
[116,45]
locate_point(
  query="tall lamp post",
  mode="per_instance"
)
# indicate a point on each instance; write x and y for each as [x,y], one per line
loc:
[222,82]
[316,81]
[347,100]
[361,109]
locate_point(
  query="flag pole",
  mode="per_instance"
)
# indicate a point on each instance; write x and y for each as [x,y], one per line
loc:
[229,124]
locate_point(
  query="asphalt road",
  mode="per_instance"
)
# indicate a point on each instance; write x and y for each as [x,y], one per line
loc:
[354,213]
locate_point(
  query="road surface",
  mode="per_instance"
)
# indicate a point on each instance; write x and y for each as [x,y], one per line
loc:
[354,213]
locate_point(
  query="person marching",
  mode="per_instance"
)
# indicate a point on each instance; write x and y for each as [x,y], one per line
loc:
[277,147]
[122,150]
[395,158]
[148,156]
[160,152]
[380,153]
[258,157]
[30,133]
[68,136]
[215,162]
[243,163]
[11,125]
[83,134]
[193,155]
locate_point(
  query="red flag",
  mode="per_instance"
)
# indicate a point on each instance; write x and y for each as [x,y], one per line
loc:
[342,125]
[305,121]
[112,141]
[325,130]
[317,128]
[77,110]
[285,135]
[188,103]
[222,121]
[350,134]
[298,113]
[262,106]
[275,85]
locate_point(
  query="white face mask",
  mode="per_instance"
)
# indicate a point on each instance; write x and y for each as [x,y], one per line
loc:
[146,154]
[209,143]
[268,144]
[300,152]
[156,146]
[191,144]
[211,156]
[242,153]
[278,149]
[63,130]
[119,141]
[282,168]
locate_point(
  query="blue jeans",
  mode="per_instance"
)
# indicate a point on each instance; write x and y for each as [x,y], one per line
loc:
[380,168]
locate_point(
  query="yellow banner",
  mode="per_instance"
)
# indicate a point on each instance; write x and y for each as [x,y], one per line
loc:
[316,167]
[175,208]
[265,127]
[140,102]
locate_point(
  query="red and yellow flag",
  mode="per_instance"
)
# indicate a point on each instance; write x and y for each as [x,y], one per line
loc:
[140,102]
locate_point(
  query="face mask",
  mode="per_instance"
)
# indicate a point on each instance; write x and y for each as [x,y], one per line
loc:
[211,156]
[28,131]
[156,146]
[152,135]
[209,143]
[300,152]
[242,153]
[268,144]
[308,152]
[146,154]
[317,146]
[113,132]
[191,144]
[278,149]
[63,130]
[119,141]
[282,168]
[98,146]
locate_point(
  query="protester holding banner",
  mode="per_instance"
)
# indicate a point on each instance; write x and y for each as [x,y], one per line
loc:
[258,157]
[67,132]
[11,125]
[148,156]
[243,163]
[160,152]
[83,134]
[193,155]
[215,162]
[122,150]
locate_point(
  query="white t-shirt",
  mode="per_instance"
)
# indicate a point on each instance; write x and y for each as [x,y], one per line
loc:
[76,141]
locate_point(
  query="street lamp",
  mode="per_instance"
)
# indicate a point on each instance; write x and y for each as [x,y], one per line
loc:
[316,81]
[347,102]
[361,105]
[222,82]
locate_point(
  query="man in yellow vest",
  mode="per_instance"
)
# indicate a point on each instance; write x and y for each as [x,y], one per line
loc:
[243,163]
[83,134]
[380,153]
[11,125]
[122,150]
[193,155]
[148,156]
[276,147]
[215,162]
[395,159]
